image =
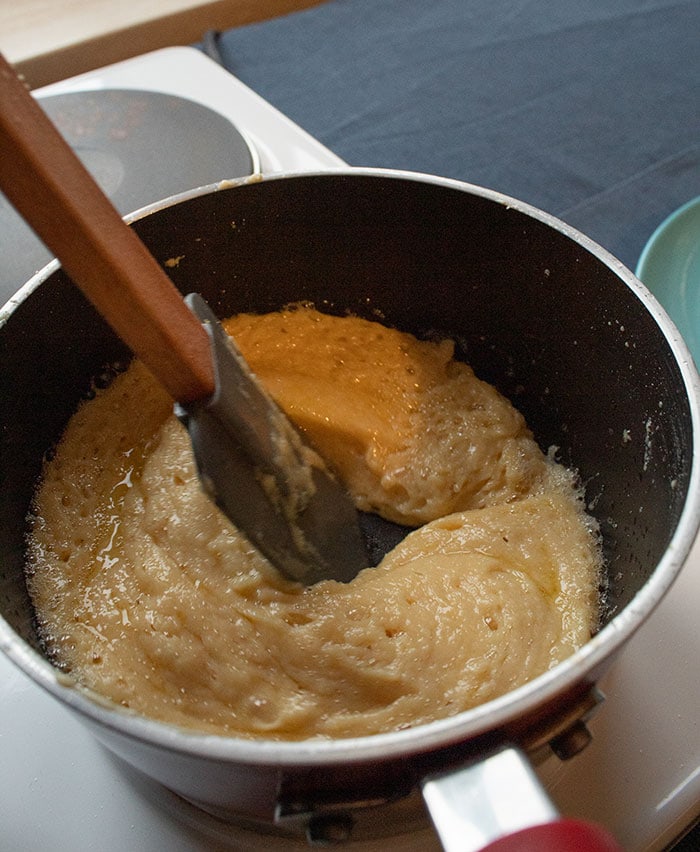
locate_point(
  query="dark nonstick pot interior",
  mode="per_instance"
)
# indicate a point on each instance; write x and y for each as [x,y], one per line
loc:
[538,311]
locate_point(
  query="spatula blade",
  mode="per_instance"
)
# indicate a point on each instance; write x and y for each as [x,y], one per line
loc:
[253,463]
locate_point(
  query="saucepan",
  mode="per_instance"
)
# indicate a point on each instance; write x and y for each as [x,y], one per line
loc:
[550,318]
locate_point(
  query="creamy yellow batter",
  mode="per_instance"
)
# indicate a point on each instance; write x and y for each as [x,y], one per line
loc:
[148,595]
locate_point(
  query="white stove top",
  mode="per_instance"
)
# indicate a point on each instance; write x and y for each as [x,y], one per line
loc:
[60,790]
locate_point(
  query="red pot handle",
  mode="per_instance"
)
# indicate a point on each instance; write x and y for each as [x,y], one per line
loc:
[565,835]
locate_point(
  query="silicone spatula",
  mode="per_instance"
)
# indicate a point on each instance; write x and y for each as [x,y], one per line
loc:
[250,459]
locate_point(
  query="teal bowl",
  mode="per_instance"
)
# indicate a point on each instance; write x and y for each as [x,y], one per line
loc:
[670,268]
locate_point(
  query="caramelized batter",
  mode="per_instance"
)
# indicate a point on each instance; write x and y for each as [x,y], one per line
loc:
[413,433]
[149,596]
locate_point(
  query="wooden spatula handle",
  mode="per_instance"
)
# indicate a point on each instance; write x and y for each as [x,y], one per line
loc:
[49,186]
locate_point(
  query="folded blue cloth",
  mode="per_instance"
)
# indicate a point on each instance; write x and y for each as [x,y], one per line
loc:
[590,111]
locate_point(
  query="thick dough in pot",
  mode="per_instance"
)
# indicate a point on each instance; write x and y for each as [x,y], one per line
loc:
[149,596]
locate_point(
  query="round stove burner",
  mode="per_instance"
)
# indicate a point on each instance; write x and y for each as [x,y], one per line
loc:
[141,147]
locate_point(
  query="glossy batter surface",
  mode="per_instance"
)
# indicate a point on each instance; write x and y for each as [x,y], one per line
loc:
[413,433]
[148,595]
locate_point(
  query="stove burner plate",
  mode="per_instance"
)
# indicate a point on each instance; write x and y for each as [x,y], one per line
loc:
[141,147]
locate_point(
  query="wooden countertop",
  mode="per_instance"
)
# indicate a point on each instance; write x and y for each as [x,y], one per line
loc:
[49,40]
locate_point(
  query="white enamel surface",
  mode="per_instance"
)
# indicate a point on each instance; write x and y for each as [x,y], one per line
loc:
[640,777]
[184,71]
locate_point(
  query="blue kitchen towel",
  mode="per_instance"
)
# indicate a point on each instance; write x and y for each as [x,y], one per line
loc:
[590,111]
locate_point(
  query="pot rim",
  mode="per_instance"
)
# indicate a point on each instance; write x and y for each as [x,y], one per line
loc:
[463,726]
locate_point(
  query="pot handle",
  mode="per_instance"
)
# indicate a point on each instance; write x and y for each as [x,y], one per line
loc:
[498,805]
[564,835]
